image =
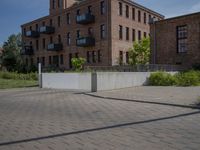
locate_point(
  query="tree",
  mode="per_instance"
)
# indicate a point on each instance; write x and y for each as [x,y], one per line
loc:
[11,57]
[140,52]
[78,63]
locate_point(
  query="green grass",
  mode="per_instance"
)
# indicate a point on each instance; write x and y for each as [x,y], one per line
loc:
[11,83]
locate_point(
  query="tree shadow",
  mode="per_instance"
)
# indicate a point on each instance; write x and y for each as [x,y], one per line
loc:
[97,129]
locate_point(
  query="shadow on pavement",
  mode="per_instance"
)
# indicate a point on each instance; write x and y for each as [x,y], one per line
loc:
[146,102]
[97,129]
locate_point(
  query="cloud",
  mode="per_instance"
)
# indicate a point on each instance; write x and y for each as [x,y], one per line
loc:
[195,8]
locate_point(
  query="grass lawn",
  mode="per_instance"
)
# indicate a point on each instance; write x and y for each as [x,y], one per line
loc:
[7,84]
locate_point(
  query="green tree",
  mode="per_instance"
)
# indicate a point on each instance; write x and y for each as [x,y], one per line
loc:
[78,63]
[140,52]
[11,57]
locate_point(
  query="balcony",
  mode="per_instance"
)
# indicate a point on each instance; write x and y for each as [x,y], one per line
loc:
[85,19]
[47,30]
[55,47]
[27,50]
[32,34]
[85,42]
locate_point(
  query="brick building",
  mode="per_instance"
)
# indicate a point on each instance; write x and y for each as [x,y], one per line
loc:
[101,31]
[176,41]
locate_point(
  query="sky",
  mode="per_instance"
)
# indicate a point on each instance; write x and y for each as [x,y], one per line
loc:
[13,13]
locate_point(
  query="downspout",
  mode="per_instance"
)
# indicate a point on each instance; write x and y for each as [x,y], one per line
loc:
[155,43]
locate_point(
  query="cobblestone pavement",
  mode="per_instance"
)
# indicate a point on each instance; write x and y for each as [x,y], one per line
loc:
[41,119]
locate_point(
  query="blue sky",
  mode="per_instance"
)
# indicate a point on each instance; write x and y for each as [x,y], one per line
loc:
[13,13]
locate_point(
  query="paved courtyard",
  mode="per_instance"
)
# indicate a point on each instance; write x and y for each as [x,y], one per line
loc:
[139,118]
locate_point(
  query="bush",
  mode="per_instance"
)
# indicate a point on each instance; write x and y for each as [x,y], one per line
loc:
[191,78]
[78,63]
[18,76]
[162,79]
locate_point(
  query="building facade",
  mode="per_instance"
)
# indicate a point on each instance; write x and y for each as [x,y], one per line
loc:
[101,31]
[176,41]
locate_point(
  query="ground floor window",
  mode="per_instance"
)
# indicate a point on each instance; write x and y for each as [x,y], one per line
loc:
[182,42]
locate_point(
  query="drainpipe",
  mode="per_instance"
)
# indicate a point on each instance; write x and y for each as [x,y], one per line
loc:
[155,43]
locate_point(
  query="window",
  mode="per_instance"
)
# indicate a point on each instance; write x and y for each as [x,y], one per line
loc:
[43,61]
[59,3]
[68,38]
[70,60]
[127,33]
[58,21]
[24,31]
[133,13]
[68,18]
[61,59]
[139,35]
[149,18]
[76,55]
[127,11]
[120,32]
[53,4]
[43,43]
[120,9]
[127,57]
[90,31]
[88,57]
[99,56]
[30,28]
[36,27]
[56,60]
[145,18]
[94,55]
[38,60]
[50,60]
[51,22]
[120,57]
[51,40]
[43,23]
[133,35]
[78,12]
[145,34]
[182,34]
[78,33]
[89,10]
[37,44]
[139,16]
[103,32]
[59,39]
[103,8]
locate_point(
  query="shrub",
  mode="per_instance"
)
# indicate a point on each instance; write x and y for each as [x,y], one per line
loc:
[162,79]
[78,63]
[190,78]
[18,76]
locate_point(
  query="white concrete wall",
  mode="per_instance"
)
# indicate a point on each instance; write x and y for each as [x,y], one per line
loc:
[103,80]
[117,80]
[69,81]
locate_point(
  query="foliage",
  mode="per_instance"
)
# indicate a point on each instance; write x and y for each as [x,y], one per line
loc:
[11,57]
[78,63]
[140,52]
[10,83]
[162,79]
[18,76]
[189,78]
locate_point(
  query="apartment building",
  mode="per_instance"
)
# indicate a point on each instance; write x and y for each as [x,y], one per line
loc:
[176,41]
[101,31]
